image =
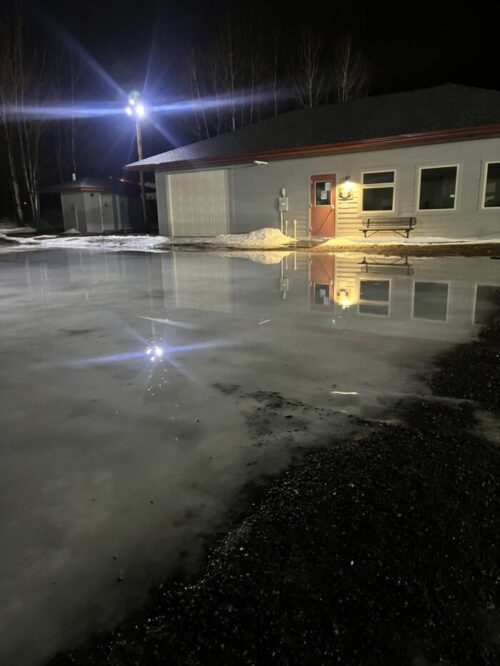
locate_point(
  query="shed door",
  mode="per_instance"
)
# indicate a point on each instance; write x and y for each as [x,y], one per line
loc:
[107,212]
[323,205]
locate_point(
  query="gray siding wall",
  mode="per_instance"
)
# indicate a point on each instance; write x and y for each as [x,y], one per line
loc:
[250,192]
[161,203]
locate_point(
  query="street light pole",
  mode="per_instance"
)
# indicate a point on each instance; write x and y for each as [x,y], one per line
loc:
[136,108]
[140,156]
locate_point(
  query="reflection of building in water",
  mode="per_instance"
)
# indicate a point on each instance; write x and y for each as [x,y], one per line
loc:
[439,298]
[442,299]
[321,282]
[202,285]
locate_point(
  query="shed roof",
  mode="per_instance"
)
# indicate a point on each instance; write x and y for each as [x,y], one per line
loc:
[102,185]
[442,113]
[83,185]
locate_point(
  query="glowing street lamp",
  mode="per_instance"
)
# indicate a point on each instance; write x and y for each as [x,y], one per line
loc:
[136,109]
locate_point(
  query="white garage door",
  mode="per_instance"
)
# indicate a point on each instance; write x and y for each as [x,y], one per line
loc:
[199,203]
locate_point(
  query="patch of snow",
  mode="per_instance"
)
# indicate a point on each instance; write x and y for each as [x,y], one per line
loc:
[415,240]
[8,228]
[8,240]
[108,243]
[72,232]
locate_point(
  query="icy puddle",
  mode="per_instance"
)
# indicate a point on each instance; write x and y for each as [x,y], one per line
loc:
[140,392]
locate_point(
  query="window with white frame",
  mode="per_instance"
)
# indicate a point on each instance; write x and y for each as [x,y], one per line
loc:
[438,188]
[374,297]
[485,305]
[492,186]
[378,191]
[430,300]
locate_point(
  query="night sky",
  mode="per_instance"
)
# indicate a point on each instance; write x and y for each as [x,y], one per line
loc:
[143,45]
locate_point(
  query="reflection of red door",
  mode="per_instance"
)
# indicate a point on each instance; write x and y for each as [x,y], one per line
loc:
[321,279]
[323,205]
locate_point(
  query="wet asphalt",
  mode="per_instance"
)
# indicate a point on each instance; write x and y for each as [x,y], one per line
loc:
[381,550]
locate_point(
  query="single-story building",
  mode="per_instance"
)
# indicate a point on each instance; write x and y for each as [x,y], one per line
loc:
[431,156]
[93,205]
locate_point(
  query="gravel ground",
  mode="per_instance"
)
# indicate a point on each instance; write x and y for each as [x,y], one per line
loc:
[409,250]
[383,550]
[472,370]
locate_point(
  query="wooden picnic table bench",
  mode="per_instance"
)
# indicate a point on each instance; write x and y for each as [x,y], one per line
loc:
[400,225]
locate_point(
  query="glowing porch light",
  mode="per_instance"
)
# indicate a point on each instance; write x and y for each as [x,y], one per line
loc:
[346,189]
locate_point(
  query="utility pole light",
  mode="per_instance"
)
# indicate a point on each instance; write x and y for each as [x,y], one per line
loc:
[136,109]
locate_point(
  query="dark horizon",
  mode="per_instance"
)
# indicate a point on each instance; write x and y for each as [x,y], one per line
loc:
[125,45]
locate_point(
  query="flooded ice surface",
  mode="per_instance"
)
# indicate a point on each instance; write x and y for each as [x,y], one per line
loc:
[140,392]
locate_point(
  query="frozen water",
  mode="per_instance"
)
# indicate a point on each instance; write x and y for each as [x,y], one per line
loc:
[140,392]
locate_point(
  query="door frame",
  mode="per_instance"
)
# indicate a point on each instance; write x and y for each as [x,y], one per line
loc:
[325,176]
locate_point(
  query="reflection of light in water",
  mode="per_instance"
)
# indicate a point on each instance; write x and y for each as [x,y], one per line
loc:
[344,299]
[154,352]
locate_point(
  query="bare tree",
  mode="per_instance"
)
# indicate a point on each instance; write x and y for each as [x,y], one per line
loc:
[233,79]
[351,71]
[9,48]
[201,128]
[23,84]
[310,79]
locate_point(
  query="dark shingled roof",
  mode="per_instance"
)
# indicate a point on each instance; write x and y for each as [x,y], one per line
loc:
[445,107]
[122,186]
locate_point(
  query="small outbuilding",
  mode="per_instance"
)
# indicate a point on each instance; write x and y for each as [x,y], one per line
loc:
[425,162]
[95,206]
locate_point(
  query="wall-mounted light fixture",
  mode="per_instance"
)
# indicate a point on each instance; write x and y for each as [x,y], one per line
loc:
[344,298]
[346,189]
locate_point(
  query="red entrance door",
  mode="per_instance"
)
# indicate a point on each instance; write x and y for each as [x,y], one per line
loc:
[321,282]
[323,205]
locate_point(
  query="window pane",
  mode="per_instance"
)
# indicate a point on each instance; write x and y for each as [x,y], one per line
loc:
[492,194]
[378,177]
[323,193]
[437,188]
[322,294]
[374,290]
[431,301]
[485,303]
[378,198]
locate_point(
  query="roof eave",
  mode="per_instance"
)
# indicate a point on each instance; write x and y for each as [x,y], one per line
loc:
[380,143]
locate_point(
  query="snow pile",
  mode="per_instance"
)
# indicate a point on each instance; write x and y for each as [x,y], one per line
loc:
[261,239]
[72,232]
[267,238]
